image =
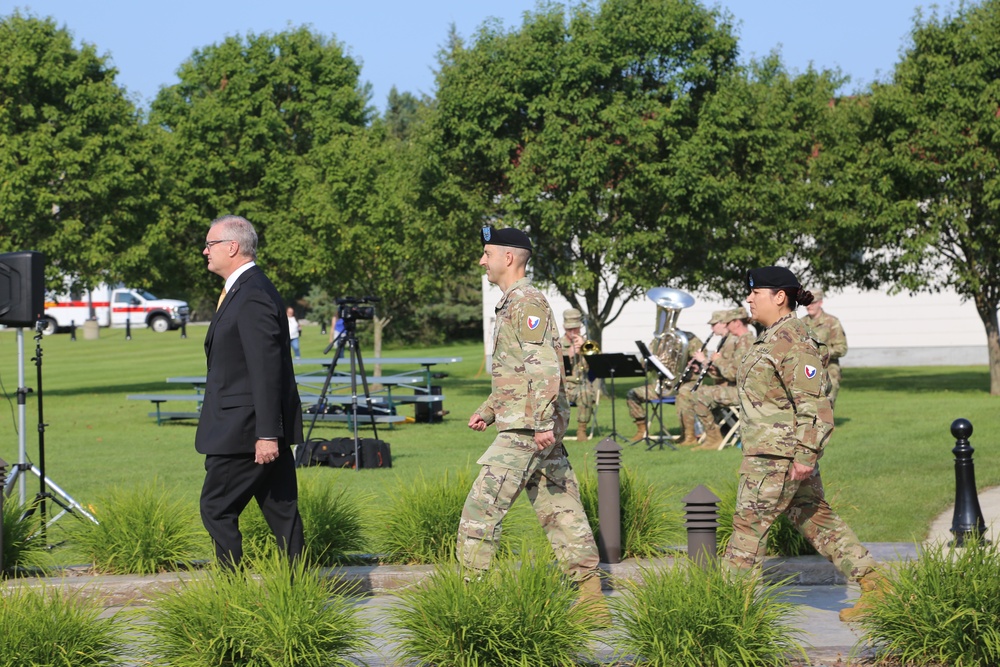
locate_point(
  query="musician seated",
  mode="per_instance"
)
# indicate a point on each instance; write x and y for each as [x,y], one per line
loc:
[685,401]
[666,350]
[579,389]
[706,399]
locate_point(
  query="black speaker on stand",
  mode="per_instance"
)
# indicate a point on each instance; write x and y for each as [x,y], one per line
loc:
[22,305]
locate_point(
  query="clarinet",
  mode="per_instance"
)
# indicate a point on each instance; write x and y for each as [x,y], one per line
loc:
[686,375]
[704,370]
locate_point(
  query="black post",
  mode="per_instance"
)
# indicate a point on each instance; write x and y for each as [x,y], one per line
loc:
[3,483]
[968,518]
[701,518]
[72,329]
[184,329]
[322,328]
[128,328]
[609,513]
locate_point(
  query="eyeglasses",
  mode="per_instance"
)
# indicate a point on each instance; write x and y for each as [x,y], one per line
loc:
[209,244]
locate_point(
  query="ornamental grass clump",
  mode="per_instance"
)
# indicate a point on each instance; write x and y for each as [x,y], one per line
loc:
[271,613]
[519,613]
[142,529]
[23,545]
[331,520]
[941,609]
[419,523]
[43,626]
[650,524]
[687,616]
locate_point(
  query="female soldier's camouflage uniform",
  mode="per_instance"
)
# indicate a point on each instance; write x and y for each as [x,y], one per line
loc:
[787,417]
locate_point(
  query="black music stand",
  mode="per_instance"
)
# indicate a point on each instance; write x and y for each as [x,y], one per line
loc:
[612,365]
[663,376]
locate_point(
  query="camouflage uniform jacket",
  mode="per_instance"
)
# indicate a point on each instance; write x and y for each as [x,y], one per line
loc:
[781,385]
[827,329]
[528,391]
[730,356]
[579,363]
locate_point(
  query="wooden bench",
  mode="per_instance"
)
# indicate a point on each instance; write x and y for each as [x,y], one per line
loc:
[159,399]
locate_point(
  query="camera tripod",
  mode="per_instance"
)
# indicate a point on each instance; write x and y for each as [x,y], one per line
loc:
[348,338]
[60,498]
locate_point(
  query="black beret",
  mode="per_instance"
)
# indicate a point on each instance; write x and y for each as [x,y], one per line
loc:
[771,276]
[508,236]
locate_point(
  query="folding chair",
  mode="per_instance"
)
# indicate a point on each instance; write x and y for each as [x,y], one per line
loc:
[729,417]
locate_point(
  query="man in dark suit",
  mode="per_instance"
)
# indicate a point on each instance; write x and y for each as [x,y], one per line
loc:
[251,414]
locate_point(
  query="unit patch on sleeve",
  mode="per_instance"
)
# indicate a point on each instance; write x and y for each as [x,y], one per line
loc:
[534,323]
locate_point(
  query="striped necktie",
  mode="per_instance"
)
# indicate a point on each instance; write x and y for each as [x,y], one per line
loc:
[222,298]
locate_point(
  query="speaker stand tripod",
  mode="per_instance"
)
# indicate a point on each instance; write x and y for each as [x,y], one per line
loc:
[20,470]
[348,338]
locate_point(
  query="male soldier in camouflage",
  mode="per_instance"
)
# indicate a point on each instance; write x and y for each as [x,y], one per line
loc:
[686,400]
[637,397]
[579,388]
[787,420]
[726,362]
[827,329]
[529,407]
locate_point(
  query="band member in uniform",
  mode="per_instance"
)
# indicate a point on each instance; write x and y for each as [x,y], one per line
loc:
[579,389]
[739,339]
[686,400]
[827,329]
[637,397]
[787,421]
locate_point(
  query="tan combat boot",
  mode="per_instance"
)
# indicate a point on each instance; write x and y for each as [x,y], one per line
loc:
[713,437]
[688,438]
[640,433]
[873,587]
[591,595]
[581,432]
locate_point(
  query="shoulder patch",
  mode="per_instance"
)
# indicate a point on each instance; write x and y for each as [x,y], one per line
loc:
[534,323]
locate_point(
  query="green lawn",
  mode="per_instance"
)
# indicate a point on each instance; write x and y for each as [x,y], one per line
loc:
[888,470]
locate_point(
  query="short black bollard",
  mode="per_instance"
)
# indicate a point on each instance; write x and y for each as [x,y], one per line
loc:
[3,482]
[967,521]
[184,329]
[609,502]
[72,329]
[701,518]
[128,328]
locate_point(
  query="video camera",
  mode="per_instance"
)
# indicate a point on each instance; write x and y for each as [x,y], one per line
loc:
[350,310]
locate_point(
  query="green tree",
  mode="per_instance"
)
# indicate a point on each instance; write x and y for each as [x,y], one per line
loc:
[570,128]
[911,172]
[238,129]
[745,177]
[77,174]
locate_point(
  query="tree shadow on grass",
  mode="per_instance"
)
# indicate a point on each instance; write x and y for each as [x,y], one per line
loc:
[919,379]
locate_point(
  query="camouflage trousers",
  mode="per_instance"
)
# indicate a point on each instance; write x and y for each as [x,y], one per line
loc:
[547,478]
[707,399]
[767,490]
[584,395]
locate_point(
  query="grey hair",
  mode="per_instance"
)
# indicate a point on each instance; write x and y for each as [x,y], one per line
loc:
[241,230]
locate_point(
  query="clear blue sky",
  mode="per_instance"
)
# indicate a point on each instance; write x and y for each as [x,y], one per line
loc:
[397,41]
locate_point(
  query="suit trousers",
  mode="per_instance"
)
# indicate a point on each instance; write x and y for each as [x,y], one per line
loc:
[231,481]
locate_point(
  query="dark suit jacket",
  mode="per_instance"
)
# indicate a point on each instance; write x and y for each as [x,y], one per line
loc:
[250,389]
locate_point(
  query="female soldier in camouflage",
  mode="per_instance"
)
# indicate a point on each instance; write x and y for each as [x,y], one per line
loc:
[787,419]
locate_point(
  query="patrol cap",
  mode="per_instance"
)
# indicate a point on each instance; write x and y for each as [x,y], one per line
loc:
[771,276]
[508,236]
[738,314]
[817,294]
[718,316]
[572,318]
